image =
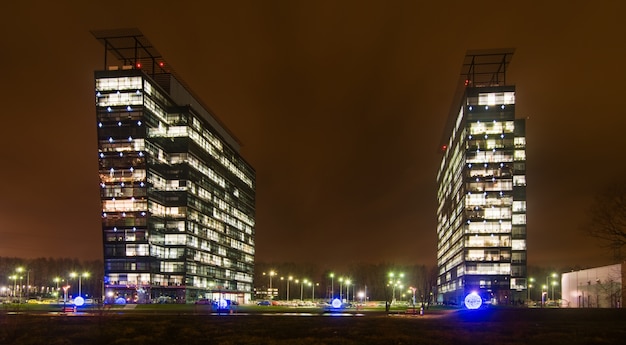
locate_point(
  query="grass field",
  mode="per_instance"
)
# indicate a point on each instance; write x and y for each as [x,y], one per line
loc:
[268,325]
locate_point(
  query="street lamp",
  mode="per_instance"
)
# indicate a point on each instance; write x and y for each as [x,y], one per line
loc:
[554,283]
[304,281]
[19,270]
[395,282]
[14,278]
[412,289]
[348,289]
[272,273]
[341,289]
[553,275]
[80,276]
[65,288]
[530,286]
[287,279]
[332,287]
[56,292]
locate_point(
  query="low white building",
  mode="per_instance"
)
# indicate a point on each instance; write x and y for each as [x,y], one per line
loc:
[599,287]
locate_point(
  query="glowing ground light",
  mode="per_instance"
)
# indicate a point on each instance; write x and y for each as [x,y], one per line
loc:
[336,303]
[79,301]
[473,301]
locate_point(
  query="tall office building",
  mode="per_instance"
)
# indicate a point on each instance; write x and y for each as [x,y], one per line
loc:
[481,214]
[178,200]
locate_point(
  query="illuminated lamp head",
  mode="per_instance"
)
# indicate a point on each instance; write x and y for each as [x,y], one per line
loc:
[473,301]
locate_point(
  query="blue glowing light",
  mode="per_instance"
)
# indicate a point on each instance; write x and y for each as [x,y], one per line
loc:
[473,301]
[336,303]
[79,301]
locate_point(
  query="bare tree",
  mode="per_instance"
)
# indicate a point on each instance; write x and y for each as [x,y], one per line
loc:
[608,218]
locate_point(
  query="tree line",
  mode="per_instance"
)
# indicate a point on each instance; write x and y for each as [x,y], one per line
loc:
[40,273]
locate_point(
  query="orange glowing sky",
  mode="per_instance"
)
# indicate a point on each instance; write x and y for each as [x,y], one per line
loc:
[339,105]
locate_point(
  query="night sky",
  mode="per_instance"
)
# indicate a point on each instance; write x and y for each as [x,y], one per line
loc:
[339,106]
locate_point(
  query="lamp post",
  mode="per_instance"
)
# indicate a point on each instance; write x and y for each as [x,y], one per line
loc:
[304,281]
[348,290]
[57,280]
[395,282]
[269,290]
[80,276]
[271,274]
[332,287]
[553,275]
[554,283]
[20,270]
[287,279]
[530,286]
[412,289]
[14,278]
[65,288]
[341,289]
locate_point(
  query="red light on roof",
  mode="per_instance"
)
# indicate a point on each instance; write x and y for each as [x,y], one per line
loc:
[161,64]
[467,82]
[138,64]
[444,147]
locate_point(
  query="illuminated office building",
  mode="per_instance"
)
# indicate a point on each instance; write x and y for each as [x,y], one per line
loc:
[481,214]
[178,200]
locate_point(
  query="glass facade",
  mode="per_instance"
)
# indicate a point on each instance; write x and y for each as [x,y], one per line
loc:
[481,214]
[178,201]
